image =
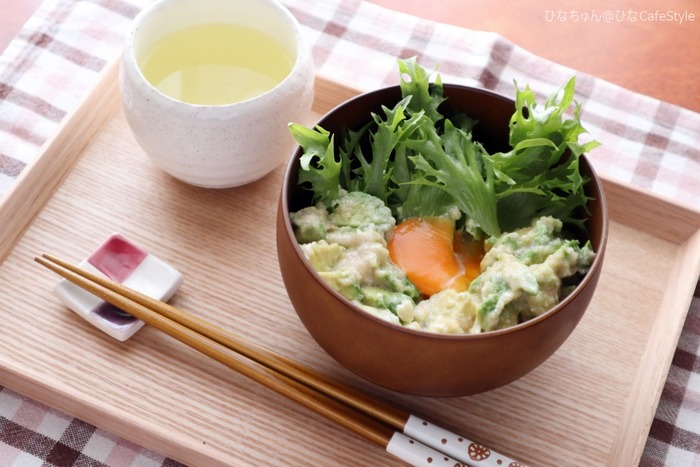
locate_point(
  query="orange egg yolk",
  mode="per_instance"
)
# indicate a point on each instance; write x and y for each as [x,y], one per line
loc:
[433,255]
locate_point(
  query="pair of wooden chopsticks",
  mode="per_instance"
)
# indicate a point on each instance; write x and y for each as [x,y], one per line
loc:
[404,435]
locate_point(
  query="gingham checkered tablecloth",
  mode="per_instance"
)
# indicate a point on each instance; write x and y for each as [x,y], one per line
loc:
[55,59]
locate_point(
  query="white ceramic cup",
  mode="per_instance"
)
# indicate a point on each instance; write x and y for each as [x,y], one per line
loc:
[216,146]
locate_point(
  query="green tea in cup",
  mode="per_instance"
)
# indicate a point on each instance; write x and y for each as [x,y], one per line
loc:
[217,63]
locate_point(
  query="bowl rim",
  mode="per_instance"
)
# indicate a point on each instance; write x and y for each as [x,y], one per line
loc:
[595,180]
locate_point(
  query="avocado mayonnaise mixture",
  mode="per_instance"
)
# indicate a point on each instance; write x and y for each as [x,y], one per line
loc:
[523,273]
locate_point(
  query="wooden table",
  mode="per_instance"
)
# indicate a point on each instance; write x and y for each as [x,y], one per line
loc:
[14,15]
[640,47]
[637,45]
[645,46]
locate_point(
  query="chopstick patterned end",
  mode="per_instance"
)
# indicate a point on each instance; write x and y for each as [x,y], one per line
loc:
[456,446]
[418,454]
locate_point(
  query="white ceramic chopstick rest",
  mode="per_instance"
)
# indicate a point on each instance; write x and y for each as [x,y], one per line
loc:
[418,454]
[122,261]
[458,447]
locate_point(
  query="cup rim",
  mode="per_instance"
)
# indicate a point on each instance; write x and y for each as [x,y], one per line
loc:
[302,60]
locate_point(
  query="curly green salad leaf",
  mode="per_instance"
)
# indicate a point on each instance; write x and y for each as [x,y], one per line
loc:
[423,163]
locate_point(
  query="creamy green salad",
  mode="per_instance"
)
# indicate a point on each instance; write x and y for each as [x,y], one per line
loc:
[524,206]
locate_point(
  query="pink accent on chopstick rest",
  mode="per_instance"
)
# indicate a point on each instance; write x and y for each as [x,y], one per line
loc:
[117,258]
[124,262]
[456,446]
[418,454]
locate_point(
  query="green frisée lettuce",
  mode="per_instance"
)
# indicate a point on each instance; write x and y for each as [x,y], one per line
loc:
[420,162]
[318,163]
[540,176]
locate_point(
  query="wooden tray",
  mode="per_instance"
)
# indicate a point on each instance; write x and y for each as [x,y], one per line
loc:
[590,404]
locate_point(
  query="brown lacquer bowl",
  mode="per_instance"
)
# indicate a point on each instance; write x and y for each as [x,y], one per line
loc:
[415,362]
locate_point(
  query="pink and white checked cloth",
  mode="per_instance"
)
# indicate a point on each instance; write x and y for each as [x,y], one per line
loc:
[55,60]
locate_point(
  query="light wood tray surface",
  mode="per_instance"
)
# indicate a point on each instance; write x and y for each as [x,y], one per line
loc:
[590,404]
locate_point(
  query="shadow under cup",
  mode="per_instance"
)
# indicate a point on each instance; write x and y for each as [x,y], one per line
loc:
[208,145]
